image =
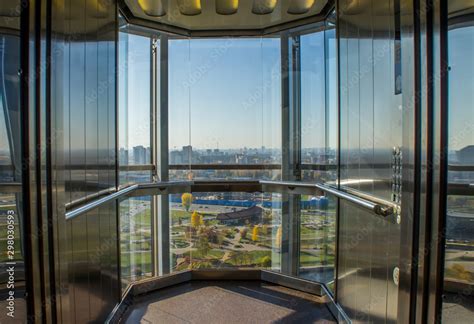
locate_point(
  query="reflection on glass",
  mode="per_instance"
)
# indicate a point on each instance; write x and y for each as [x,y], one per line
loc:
[318,104]
[459,254]
[11,215]
[135,239]
[318,238]
[224,230]
[134,107]
[224,106]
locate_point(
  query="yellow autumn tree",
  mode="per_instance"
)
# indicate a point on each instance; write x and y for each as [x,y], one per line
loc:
[278,237]
[201,220]
[195,219]
[255,233]
[187,200]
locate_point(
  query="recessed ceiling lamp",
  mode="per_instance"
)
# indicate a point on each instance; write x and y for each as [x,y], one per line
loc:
[189,7]
[298,7]
[152,8]
[227,7]
[263,7]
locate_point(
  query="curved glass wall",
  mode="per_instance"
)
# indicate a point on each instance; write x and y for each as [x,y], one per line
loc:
[211,109]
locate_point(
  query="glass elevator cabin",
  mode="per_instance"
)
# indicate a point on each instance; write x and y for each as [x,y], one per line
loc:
[236,161]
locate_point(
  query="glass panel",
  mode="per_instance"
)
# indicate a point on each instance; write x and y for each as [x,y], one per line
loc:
[136,239]
[11,215]
[318,238]
[459,255]
[313,99]
[134,107]
[318,105]
[224,230]
[224,107]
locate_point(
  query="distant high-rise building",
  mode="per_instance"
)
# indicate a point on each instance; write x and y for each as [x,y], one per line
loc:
[187,153]
[123,156]
[139,154]
[148,155]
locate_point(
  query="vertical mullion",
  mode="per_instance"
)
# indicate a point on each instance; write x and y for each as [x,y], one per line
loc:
[153,143]
[162,206]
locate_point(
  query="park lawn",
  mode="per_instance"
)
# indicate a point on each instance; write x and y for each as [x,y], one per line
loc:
[307,259]
[304,230]
[138,259]
[176,214]
[243,258]
[211,254]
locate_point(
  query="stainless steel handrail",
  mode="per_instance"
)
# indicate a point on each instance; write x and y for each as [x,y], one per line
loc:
[374,206]
[377,208]
[97,203]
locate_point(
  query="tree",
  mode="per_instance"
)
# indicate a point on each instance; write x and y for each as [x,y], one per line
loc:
[243,233]
[266,262]
[278,237]
[196,219]
[255,233]
[187,200]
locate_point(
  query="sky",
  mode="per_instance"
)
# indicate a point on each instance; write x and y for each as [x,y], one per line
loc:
[461,87]
[226,93]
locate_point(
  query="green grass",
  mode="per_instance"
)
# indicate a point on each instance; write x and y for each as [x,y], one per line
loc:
[141,261]
[247,258]
[307,259]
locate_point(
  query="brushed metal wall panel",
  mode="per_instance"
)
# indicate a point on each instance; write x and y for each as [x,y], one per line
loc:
[370,128]
[83,91]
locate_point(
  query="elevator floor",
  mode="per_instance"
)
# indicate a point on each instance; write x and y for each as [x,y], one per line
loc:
[228,302]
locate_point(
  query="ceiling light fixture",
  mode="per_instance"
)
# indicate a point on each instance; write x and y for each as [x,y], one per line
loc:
[189,7]
[227,7]
[298,7]
[152,8]
[263,7]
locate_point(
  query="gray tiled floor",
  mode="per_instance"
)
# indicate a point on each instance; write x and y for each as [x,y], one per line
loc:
[228,302]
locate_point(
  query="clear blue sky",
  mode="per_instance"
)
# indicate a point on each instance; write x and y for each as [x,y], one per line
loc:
[461,87]
[226,92]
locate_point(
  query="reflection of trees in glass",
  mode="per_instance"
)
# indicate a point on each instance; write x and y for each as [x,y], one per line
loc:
[196,220]
[266,262]
[202,245]
[255,233]
[278,237]
[187,200]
